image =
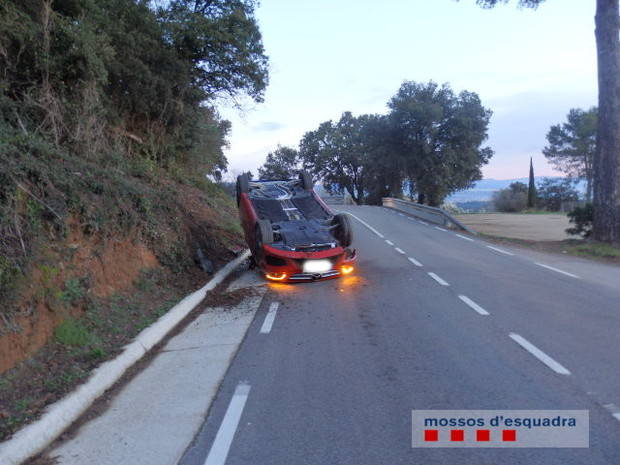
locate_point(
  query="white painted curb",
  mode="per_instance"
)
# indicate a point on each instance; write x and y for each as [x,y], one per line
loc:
[34,437]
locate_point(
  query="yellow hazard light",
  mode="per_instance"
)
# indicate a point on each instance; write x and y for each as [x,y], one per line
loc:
[346,269]
[276,276]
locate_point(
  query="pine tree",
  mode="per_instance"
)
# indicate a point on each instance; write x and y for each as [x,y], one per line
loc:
[531,192]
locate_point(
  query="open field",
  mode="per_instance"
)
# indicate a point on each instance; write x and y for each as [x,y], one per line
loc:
[539,227]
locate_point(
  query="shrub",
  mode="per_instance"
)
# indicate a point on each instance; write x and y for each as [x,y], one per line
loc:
[509,200]
[72,333]
[581,217]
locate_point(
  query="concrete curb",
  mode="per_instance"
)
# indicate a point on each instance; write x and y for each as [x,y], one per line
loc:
[34,437]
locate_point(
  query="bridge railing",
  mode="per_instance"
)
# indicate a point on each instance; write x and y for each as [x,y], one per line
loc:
[431,214]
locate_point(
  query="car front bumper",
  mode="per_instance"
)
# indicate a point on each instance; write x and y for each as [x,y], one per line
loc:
[282,266]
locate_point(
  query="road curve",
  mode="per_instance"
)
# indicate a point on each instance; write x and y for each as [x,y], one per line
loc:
[329,372]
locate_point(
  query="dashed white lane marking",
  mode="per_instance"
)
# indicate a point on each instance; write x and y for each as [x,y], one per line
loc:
[539,354]
[400,214]
[269,318]
[473,305]
[400,250]
[438,279]
[614,410]
[423,222]
[414,261]
[367,225]
[389,242]
[441,229]
[228,428]
[505,252]
[558,271]
[464,237]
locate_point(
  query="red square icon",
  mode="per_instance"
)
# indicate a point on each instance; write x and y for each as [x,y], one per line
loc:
[431,435]
[457,435]
[509,435]
[483,435]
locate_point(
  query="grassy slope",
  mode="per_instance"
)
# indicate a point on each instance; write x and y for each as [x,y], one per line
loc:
[73,214]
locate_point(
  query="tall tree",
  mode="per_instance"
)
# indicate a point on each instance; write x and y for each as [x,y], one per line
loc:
[606,166]
[531,191]
[572,146]
[282,163]
[337,154]
[606,224]
[384,171]
[441,136]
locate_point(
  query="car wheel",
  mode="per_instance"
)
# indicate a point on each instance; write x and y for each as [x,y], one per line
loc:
[306,180]
[265,231]
[343,231]
[243,186]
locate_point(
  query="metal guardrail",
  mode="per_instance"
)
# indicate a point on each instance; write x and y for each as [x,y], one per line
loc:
[431,214]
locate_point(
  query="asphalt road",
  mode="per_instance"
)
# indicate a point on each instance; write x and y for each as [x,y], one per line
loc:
[331,377]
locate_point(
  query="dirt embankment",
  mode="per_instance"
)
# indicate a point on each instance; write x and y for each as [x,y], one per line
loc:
[70,270]
[103,267]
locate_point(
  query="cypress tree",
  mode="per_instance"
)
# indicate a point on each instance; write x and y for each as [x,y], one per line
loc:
[531,192]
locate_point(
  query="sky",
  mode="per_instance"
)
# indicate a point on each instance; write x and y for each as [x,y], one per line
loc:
[530,67]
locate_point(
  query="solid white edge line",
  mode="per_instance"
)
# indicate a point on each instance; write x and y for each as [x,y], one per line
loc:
[539,354]
[414,261]
[367,225]
[400,250]
[616,416]
[464,237]
[423,222]
[389,242]
[269,318]
[473,305]
[505,252]
[441,229]
[438,279]
[228,428]
[558,271]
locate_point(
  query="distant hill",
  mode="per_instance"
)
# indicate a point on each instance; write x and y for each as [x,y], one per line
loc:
[483,189]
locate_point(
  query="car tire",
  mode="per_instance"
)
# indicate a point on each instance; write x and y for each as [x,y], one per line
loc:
[265,231]
[343,231]
[243,186]
[306,180]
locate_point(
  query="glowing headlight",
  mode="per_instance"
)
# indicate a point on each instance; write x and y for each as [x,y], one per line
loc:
[317,266]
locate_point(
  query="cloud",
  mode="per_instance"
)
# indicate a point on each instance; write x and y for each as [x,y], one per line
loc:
[268,126]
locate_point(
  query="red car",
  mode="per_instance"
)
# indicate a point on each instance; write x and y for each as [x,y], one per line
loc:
[292,234]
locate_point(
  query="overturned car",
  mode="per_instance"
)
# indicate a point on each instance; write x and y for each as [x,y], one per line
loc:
[292,234]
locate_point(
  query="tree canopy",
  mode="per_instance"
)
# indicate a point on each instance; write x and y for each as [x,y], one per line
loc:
[441,136]
[78,71]
[572,145]
[282,163]
[431,141]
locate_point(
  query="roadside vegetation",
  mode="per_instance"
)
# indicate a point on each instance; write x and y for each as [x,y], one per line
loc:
[429,145]
[106,124]
[110,153]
